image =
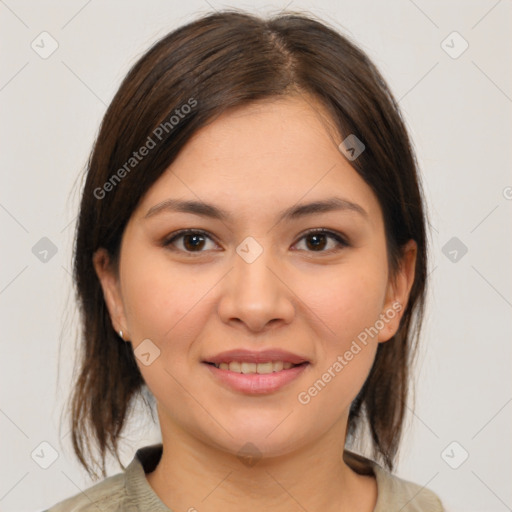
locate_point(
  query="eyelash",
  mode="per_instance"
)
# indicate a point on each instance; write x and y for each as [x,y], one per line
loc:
[342,242]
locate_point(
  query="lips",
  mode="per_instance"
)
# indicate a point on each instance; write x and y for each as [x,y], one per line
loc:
[250,356]
[256,373]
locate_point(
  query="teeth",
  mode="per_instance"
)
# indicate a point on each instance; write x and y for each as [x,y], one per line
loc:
[235,367]
[277,366]
[264,368]
[261,368]
[246,367]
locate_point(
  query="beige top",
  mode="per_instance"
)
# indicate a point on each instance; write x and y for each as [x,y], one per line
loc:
[130,491]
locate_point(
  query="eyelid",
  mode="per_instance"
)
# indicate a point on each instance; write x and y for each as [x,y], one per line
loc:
[341,239]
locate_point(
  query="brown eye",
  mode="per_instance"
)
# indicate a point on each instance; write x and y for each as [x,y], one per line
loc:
[192,241]
[317,241]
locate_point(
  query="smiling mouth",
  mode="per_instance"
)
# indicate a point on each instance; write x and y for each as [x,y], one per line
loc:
[259,368]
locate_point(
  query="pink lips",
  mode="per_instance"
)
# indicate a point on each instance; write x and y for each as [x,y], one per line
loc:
[255,383]
[251,356]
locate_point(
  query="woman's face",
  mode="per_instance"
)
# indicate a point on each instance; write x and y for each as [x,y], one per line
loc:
[255,284]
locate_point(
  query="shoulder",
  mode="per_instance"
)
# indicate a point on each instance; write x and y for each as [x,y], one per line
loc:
[108,495]
[393,492]
[407,496]
[128,491]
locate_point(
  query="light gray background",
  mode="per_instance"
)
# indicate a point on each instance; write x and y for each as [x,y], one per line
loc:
[458,111]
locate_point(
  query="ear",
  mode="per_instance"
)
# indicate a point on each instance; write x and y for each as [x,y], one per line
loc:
[111,289]
[398,290]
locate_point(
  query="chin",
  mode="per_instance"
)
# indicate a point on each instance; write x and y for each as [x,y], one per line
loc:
[258,440]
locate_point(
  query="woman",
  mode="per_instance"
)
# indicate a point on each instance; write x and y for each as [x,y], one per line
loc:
[251,249]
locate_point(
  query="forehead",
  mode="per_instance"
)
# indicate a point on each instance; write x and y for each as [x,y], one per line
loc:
[263,156]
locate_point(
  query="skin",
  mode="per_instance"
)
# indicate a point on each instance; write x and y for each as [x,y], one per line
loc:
[310,300]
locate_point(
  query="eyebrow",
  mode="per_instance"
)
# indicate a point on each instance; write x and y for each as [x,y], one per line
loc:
[292,213]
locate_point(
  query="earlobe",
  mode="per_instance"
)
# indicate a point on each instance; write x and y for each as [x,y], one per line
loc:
[110,286]
[398,292]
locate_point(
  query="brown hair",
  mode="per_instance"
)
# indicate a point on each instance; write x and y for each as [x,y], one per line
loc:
[221,61]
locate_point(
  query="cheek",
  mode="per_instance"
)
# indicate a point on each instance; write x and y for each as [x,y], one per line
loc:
[169,308]
[349,306]
[347,301]
[163,303]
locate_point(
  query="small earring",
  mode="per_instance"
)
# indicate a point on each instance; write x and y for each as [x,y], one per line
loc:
[121,335]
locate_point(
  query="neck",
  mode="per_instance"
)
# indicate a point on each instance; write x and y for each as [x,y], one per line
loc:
[192,475]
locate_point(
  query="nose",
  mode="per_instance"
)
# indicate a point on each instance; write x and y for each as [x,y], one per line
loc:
[255,294]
